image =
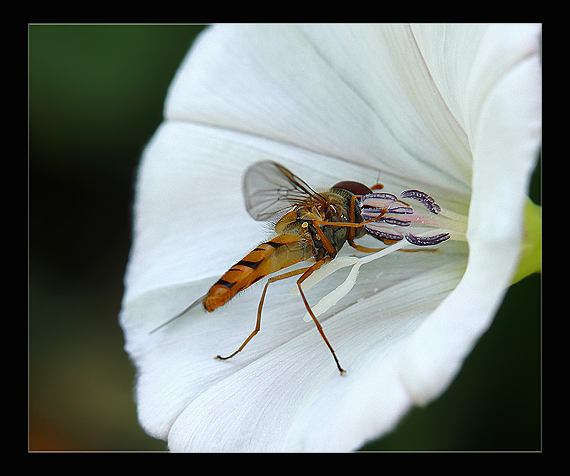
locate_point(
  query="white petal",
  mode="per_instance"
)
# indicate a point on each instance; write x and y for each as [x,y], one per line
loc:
[175,199]
[293,398]
[505,125]
[372,399]
[350,91]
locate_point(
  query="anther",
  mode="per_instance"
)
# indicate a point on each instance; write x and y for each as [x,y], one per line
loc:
[427,240]
[383,235]
[423,198]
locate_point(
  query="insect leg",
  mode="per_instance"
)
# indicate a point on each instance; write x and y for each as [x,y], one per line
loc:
[324,240]
[352,232]
[305,275]
[258,322]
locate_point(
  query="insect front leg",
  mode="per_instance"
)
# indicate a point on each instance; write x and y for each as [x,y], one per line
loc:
[324,240]
[352,231]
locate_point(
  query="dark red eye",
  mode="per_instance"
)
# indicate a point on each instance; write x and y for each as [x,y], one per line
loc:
[353,187]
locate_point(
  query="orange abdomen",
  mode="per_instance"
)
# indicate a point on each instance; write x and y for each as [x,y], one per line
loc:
[268,257]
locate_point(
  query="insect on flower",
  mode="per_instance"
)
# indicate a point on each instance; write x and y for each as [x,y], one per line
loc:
[310,226]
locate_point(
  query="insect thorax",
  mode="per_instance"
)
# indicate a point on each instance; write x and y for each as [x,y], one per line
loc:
[337,209]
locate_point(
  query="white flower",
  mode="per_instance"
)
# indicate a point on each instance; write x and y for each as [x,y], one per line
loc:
[454,111]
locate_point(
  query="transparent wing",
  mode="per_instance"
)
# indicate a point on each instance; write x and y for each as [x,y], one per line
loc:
[270,190]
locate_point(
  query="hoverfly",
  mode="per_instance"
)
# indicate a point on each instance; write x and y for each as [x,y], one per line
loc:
[310,226]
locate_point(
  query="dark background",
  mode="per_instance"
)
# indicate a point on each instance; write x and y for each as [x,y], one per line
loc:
[96,94]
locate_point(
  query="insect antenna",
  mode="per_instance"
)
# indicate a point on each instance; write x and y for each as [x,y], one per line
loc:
[191,306]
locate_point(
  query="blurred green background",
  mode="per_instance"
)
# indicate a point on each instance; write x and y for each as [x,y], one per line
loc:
[96,94]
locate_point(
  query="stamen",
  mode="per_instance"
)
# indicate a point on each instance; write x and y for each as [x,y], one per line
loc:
[402,210]
[427,240]
[383,235]
[423,198]
[394,221]
[391,218]
[379,195]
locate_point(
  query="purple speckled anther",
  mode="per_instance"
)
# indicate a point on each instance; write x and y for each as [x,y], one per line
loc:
[427,240]
[423,198]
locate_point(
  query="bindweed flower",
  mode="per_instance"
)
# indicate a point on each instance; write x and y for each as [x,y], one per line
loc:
[447,118]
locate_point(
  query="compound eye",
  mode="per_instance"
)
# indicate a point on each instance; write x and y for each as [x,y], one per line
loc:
[353,187]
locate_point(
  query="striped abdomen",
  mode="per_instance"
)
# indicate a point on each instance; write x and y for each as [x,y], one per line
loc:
[268,257]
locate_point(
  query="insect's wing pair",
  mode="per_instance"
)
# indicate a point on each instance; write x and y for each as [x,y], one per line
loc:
[270,190]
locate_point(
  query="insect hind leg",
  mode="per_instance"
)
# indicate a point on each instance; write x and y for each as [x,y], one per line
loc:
[258,322]
[306,274]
